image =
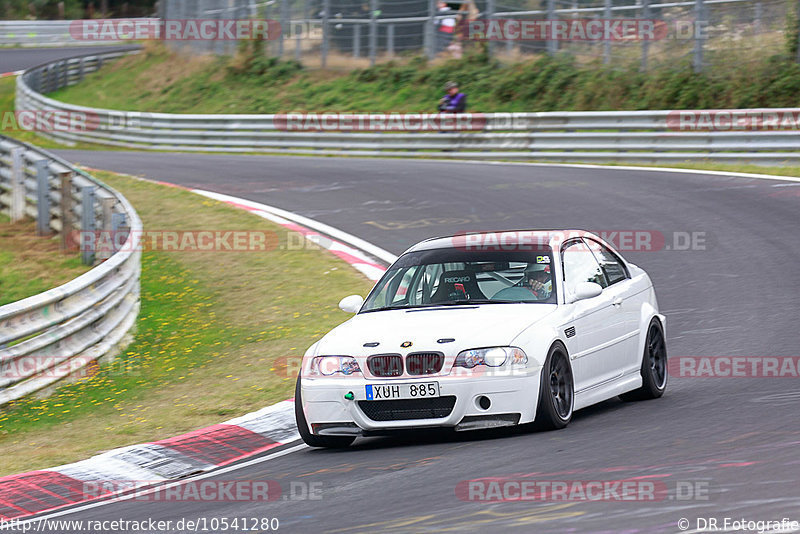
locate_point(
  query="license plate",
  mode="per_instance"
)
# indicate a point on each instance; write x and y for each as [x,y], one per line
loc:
[420,390]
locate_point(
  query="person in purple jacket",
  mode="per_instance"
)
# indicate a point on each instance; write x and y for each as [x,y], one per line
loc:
[453,101]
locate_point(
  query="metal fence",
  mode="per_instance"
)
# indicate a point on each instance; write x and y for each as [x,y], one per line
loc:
[48,337]
[359,32]
[41,33]
[609,136]
[331,33]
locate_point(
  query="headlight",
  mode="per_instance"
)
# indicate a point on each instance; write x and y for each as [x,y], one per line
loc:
[492,357]
[330,365]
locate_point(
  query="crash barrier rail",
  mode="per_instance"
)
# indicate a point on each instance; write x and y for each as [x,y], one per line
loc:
[606,136]
[33,33]
[48,337]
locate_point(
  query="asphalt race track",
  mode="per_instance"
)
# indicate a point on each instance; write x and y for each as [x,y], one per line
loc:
[722,447]
[14,59]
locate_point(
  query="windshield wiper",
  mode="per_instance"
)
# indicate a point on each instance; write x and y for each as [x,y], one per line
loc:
[460,302]
[396,307]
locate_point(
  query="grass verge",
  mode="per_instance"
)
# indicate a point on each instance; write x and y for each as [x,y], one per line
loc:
[10,128]
[218,336]
[251,82]
[30,264]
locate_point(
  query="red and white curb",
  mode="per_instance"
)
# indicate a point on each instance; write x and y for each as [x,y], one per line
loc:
[167,459]
[200,451]
[351,249]
[15,73]
[341,247]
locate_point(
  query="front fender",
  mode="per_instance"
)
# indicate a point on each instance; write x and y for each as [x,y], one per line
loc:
[536,342]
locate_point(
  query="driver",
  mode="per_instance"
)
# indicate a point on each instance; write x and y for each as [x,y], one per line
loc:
[536,285]
[537,279]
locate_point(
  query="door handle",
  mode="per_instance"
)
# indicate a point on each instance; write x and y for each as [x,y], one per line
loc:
[617,302]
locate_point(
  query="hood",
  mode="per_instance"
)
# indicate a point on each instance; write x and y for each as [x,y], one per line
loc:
[477,326]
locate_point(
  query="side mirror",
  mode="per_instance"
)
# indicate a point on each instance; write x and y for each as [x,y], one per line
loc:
[586,290]
[353,303]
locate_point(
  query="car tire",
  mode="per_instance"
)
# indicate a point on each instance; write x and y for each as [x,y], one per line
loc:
[556,391]
[654,366]
[329,442]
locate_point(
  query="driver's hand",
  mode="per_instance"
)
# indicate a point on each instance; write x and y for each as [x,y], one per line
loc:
[536,285]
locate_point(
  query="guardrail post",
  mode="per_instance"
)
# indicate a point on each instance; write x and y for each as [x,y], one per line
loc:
[118,221]
[326,31]
[17,184]
[107,206]
[87,220]
[373,32]
[65,186]
[390,40]
[49,82]
[42,197]
[357,40]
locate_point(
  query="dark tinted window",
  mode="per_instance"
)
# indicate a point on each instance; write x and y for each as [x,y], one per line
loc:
[611,264]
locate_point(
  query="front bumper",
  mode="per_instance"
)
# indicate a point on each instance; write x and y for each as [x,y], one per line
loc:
[512,400]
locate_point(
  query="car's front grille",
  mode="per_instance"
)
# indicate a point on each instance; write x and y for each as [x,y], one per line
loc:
[424,363]
[403,410]
[385,365]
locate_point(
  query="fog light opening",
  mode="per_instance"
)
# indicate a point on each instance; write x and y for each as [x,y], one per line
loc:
[483,402]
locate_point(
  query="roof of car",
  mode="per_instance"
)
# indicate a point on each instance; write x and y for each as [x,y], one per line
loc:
[504,239]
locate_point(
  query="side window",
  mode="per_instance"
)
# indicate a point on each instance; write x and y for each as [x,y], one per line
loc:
[580,265]
[611,264]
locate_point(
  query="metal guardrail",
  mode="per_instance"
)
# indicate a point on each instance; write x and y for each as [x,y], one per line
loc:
[48,337]
[608,136]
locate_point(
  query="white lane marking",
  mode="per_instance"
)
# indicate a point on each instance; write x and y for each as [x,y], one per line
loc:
[350,239]
[631,168]
[135,495]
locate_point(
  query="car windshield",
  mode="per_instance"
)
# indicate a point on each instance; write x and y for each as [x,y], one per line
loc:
[453,277]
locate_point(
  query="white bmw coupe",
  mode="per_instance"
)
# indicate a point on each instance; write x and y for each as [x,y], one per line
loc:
[486,330]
